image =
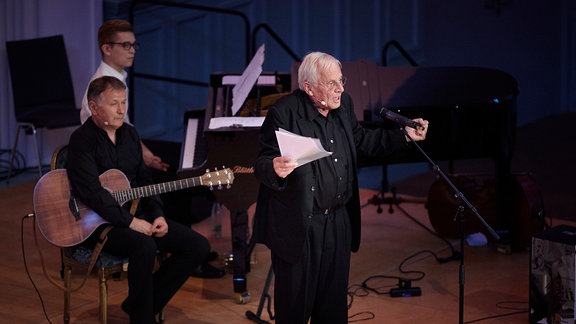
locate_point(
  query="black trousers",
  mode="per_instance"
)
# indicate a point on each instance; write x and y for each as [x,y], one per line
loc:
[315,287]
[148,291]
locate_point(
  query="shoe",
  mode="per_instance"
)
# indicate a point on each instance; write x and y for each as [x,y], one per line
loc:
[212,256]
[125,306]
[158,318]
[208,271]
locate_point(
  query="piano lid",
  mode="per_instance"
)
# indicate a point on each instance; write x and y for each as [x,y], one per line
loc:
[441,86]
[472,110]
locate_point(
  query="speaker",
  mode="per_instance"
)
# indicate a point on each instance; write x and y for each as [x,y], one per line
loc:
[552,274]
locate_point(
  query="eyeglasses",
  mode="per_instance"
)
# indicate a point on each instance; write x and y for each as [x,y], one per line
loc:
[126,45]
[331,85]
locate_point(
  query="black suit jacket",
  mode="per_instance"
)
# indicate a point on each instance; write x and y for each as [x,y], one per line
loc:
[284,206]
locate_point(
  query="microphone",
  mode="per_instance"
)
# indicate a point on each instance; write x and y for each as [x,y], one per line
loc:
[387,114]
[322,102]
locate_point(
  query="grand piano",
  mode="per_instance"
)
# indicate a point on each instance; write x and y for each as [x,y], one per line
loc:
[472,110]
[473,113]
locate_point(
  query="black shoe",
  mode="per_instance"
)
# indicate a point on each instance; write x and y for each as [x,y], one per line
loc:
[158,318]
[125,306]
[212,256]
[208,271]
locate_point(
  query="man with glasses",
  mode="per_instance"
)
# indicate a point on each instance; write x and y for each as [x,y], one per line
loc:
[309,215]
[118,46]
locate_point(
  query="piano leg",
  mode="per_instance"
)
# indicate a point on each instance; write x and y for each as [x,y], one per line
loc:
[239,227]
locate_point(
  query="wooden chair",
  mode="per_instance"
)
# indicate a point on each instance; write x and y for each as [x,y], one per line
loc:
[78,257]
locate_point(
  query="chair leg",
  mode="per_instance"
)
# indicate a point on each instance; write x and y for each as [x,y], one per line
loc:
[103,297]
[68,285]
[37,144]
[13,153]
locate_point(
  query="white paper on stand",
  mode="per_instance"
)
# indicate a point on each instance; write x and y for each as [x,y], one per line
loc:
[247,80]
[302,149]
[225,122]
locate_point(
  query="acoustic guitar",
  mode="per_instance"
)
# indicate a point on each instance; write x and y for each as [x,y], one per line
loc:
[65,221]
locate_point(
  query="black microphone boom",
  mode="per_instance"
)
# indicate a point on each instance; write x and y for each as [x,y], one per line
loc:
[387,114]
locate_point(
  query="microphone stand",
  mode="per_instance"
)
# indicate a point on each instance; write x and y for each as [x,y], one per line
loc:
[460,217]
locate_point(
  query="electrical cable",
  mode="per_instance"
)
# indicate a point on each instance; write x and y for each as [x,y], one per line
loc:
[367,285]
[19,164]
[26,266]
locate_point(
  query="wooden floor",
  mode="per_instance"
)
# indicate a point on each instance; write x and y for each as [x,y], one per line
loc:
[495,285]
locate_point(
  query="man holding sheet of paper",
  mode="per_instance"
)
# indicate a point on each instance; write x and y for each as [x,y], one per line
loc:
[309,214]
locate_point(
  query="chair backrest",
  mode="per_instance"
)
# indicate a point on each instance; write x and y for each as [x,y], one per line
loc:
[40,74]
[59,157]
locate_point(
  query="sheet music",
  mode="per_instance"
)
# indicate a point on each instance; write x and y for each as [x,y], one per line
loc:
[302,149]
[223,122]
[247,80]
[264,80]
[190,143]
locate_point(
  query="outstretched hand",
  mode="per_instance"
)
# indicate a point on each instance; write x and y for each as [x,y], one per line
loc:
[417,134]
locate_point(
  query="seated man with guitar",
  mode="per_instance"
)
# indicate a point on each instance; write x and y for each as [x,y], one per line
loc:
[105,142]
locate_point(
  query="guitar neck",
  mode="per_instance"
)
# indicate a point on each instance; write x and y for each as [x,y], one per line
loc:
[156,189]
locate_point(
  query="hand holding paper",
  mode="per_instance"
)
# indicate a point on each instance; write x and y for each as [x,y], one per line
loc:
[300,148]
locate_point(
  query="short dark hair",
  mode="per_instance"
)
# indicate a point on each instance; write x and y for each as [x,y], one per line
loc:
[107,32]
[99,85]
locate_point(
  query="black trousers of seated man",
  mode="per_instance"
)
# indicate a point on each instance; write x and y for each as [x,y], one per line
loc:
[187,206]
[149,291]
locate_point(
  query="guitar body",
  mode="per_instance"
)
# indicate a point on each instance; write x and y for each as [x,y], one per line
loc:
[65,221]
[62,219]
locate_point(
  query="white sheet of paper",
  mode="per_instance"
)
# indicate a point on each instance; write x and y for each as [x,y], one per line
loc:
[220,122]
[302,149]
[247,80]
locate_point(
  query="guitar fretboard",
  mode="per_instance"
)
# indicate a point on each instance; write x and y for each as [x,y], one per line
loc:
[156,189]
[218,178]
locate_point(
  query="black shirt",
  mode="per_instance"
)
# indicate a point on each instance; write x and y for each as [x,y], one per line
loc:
[334,181]
[91,153]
